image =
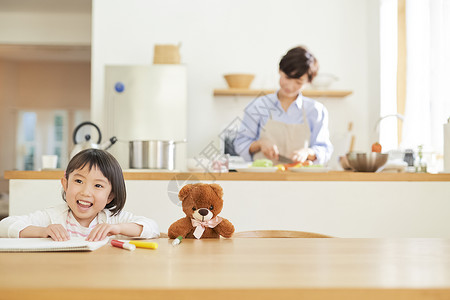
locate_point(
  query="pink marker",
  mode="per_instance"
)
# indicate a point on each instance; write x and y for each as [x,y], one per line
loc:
[123,245]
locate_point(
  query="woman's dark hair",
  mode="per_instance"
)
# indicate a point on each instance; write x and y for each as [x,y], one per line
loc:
[299,61]
[110,168]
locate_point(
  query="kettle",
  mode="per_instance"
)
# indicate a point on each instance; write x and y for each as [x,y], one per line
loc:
[87,143]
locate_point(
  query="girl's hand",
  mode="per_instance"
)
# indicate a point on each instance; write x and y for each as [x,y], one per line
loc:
[57,232]
[101,231]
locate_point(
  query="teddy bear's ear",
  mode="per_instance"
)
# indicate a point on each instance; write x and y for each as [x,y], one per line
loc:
[217,189]
[185,191]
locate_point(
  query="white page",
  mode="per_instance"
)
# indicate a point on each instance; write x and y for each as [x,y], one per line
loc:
[47,244]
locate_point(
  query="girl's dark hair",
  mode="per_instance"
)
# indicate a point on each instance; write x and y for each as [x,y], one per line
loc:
[109,167]
[299,61]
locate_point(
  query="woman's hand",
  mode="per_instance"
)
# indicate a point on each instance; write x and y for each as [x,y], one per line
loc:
[101,231]
[303,155]
[269,149]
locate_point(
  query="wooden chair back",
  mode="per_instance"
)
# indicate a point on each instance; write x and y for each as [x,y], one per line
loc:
[278,234]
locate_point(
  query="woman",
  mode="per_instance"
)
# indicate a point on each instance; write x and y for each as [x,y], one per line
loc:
[286,123]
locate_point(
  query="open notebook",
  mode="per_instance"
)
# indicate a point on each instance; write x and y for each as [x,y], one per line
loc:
[48,245]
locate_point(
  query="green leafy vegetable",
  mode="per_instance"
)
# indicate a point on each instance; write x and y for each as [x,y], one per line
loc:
[262,163]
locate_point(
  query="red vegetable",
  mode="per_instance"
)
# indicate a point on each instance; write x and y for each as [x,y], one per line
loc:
[376,147]
[297,164]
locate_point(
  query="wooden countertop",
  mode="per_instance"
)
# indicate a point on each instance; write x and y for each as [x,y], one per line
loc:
[276,176]
[245,268]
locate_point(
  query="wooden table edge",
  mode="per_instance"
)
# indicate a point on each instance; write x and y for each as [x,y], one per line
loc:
[226,294]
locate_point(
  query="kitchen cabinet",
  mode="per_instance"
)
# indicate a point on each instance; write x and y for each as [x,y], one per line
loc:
[259,92]
[337,203]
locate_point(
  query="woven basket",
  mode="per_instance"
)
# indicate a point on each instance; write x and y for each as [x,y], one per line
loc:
[239,81]
[166,54]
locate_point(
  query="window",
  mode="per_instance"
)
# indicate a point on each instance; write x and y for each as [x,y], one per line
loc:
[415,59]
[26,141]
[41,132]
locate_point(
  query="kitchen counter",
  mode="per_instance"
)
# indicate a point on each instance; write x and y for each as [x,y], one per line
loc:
[341,204]
[242,176]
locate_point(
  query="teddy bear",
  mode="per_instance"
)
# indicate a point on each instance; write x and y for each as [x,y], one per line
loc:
[201,203]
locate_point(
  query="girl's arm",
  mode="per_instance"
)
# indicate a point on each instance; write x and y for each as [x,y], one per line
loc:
[12,226]
[131,229]
[32,232]
[126,224]
[101,231]
[56,231]
[149,227]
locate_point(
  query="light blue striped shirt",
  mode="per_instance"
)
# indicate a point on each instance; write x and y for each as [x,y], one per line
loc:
[258,112]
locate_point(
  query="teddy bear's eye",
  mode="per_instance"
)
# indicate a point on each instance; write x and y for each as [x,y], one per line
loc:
[211,207]
[193,208]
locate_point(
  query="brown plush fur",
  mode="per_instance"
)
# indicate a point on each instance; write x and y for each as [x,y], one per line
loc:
[201,195]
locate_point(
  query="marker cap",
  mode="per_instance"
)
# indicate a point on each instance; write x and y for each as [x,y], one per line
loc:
[123,245]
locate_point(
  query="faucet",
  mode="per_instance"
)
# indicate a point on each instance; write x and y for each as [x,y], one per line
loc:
[377,124]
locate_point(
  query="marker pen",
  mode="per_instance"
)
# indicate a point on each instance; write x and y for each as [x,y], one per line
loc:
[123,245]
[177,241]
[141,244]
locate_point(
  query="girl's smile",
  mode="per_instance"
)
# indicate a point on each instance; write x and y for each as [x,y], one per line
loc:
[87,193]
[84,204]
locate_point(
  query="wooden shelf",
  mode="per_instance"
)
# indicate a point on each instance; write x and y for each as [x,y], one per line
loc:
[306,93]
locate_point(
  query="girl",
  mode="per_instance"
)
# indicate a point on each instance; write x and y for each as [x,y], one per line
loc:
[95,193]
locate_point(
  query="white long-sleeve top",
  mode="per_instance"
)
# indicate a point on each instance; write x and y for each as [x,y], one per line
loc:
[11,226]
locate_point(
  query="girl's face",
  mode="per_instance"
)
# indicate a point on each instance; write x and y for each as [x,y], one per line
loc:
[292,86]
[87,193]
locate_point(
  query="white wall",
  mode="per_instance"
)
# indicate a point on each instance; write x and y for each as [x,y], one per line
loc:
[221,37]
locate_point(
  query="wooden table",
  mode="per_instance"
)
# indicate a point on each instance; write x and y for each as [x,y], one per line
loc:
[236,269]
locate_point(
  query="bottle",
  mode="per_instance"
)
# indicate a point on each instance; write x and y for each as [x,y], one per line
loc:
[421,166]
[409,159]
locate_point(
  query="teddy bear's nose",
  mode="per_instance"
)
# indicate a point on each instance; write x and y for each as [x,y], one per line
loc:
[203,211]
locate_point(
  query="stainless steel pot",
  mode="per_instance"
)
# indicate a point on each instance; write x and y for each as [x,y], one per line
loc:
[153,154]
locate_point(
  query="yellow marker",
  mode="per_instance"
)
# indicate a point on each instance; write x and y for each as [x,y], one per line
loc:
[141,244]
